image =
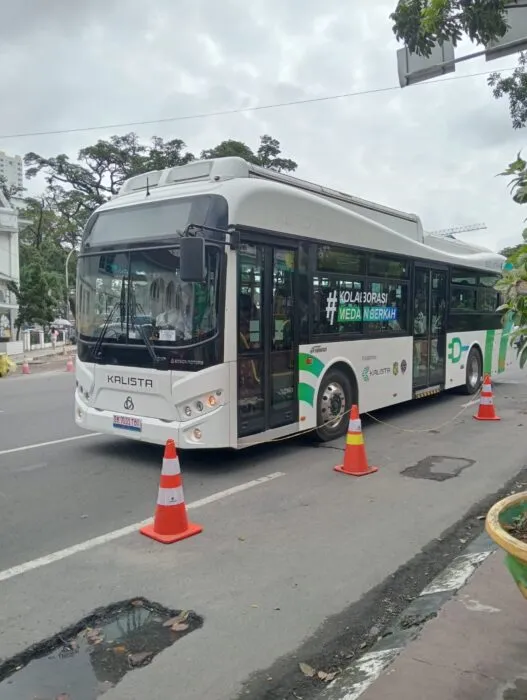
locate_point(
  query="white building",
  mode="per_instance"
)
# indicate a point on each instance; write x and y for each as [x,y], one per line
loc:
[11,170]
[9,270]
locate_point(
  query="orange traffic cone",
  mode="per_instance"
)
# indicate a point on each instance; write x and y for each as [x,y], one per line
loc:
[25,367]
[355,460]
[70,367]
[170,520]
[486,409]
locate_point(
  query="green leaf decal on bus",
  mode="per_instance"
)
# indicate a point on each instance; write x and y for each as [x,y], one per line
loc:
[306,393]
[311,364]
[489,348]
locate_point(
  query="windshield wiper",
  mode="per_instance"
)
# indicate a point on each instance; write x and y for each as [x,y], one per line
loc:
[133,307]
[100,338]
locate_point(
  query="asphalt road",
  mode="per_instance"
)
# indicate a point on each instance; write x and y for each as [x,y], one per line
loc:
[299,566]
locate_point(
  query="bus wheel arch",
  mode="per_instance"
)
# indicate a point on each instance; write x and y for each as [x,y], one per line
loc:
[338,390]
[473,371]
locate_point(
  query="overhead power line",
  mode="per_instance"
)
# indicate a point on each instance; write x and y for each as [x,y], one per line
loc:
[240,110]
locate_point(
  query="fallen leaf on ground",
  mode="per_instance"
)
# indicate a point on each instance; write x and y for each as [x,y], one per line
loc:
[177,619]
[307,670]
[179,627]
[137,603]
[322,675]
[120,649]
[331,676]
[140,658]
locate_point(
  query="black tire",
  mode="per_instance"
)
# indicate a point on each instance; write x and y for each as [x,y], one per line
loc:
[334,398]
[473,373]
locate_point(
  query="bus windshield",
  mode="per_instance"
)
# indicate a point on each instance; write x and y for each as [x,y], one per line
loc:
[131,296]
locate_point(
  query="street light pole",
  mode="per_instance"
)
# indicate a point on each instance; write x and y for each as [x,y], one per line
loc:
[68,284]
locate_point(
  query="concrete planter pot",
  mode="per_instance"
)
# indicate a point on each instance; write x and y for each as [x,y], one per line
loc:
[502,513]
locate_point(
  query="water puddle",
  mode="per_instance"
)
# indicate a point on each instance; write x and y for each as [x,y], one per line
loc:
[92,656]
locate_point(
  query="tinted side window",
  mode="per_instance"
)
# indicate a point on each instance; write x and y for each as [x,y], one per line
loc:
[336,305]
[385,307]
[343,260]
[464,277]
[387,267]
[463,299]
[488,300]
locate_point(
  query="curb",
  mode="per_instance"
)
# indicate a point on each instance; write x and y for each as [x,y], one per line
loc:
[359,676]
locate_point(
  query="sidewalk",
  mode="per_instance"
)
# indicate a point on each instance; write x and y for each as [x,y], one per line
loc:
[46,354]
[475,649]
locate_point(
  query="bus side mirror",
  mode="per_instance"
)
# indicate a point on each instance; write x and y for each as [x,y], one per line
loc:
[192,260]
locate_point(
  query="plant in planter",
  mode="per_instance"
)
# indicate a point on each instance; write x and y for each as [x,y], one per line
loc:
[513,284]
[506,524]
[506,521]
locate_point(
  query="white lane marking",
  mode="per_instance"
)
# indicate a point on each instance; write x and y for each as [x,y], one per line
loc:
[367,670]
[457,574]
[48,444]
[128,530]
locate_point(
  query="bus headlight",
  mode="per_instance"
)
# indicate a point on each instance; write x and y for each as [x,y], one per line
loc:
[201,405]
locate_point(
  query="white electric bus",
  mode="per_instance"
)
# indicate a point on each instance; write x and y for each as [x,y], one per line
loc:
[222,305]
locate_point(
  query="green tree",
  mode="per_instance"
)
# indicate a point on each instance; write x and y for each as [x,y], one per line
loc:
[421,24]
[76,188]
[268,154]
[37,293]
[513,284]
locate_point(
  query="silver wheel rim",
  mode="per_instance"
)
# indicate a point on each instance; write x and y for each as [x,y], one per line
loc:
[332,405]
[473,372]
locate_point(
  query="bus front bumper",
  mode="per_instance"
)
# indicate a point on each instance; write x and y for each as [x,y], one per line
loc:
[204,432]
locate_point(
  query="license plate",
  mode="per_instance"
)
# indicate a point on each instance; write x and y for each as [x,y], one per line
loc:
[128,423]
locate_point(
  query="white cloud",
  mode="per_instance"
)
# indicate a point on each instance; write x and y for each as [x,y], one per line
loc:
[434,149]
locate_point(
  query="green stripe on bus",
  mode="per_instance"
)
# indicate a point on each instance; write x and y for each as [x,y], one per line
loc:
[306,393]
[489,348]
[504,342]
[308,363]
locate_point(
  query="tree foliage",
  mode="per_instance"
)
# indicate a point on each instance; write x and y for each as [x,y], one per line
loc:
[76,189]
[53,223]
[514,277]
[421,24]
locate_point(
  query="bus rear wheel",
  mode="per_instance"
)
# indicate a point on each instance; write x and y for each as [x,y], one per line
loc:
[333,406]
[474,372]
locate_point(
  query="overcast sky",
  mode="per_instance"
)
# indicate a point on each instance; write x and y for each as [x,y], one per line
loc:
[433,149]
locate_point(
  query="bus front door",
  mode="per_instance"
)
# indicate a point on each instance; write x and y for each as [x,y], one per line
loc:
[429,327]
[267,342]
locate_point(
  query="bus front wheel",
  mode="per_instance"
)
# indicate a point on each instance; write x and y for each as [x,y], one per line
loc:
[474,375]
[333,405]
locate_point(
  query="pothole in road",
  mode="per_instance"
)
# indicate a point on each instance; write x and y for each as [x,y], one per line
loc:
[438,468]
[92,656]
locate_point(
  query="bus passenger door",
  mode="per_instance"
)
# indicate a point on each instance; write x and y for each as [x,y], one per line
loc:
[267,342]
[429,320]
